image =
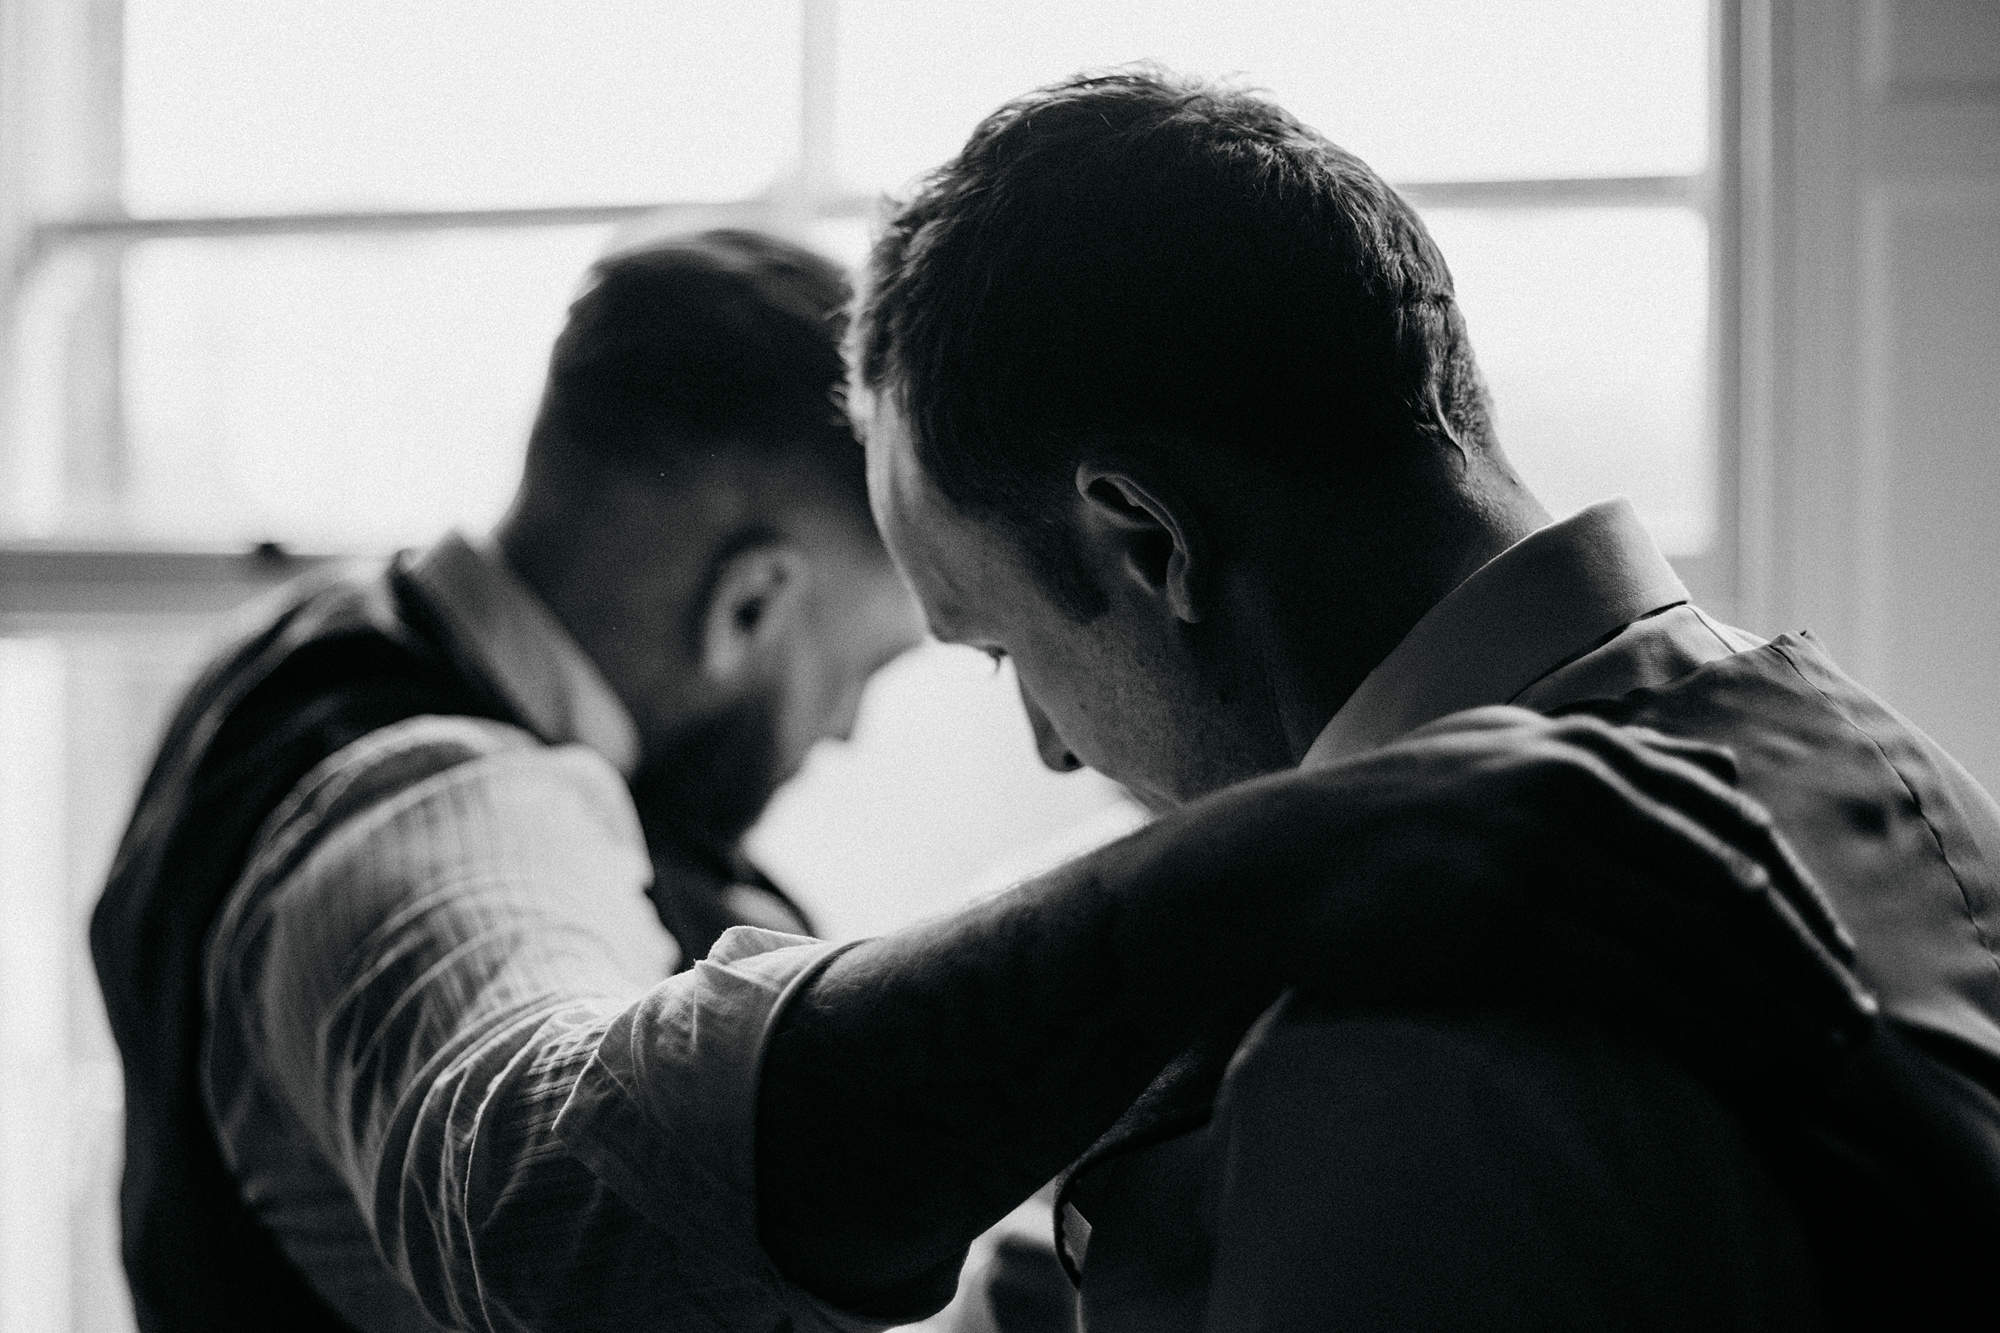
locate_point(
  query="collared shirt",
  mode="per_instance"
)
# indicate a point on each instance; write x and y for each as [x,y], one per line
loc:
[1584,608]
[513,640]
[444,1057]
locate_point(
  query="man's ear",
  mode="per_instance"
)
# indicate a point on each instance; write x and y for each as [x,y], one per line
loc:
[753,599]
[1153,536]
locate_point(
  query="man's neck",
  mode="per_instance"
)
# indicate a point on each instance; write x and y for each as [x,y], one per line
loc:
[619,595]
[1332,614]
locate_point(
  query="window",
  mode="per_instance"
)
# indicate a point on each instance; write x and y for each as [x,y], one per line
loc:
[280,277]
[309,259]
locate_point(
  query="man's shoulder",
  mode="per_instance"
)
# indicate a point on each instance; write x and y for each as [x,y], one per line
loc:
[323,665]
[333,631]
[437,772]
[434,817]
[328,607]
[391,761]
[1902,839]
[1648,653]
[1813,743]
[338,595]
[304,671]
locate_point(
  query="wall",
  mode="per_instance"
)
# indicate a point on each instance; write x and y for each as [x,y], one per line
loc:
[1871,318]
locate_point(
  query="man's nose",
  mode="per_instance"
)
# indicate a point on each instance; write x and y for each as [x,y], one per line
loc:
[1054,753]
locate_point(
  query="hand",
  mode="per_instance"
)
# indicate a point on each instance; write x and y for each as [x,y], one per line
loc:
[1498,856]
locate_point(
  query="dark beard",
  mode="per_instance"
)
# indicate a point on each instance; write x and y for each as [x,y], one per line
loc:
[703,786]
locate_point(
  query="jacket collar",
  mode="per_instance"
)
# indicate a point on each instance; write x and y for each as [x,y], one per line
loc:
[1543,601]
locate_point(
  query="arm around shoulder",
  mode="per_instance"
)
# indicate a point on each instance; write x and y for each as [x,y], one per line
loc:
[423,963]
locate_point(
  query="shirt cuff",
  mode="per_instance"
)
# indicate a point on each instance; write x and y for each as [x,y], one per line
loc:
[665,1113]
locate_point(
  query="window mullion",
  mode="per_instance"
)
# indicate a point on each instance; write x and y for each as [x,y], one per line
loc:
[1557,192]
[1720,586]
[94,448]
[818,63]
[65,155]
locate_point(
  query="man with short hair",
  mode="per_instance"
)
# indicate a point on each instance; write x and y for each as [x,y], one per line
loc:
[406,1044]
[1167,400]
[493,746]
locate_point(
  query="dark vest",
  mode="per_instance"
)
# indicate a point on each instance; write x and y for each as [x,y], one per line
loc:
[1894,1157]
[347,655]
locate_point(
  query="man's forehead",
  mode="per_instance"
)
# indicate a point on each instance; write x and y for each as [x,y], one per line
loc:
[918,527]
[892,462]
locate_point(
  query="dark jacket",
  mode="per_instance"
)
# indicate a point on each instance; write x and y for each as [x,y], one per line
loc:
[346,654]
[1892,1150]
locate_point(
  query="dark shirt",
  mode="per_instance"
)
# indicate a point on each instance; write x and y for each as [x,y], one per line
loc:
[1586,614]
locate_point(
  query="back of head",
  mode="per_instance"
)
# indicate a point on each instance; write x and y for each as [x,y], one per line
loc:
[1137,261]
[695,513]
[717,341]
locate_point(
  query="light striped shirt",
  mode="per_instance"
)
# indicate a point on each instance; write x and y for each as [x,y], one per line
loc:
[444,1058]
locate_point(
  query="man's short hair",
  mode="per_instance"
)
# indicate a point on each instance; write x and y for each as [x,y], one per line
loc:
[1135,260]
[725,338]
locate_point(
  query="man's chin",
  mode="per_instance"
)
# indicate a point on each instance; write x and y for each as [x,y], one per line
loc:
[709,793]
[1154,796]
[1185,789]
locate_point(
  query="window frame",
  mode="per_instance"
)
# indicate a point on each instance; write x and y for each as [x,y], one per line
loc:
[61,72]
[44,579]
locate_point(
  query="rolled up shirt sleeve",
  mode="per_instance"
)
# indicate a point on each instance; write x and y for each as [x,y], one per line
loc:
[441,973]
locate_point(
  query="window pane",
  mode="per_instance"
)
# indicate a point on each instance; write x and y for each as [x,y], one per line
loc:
[1424,89]
[1591,326]
[338,392]
[253,105]
[79,715]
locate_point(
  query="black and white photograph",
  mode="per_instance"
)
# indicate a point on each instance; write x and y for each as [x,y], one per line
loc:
[999,666]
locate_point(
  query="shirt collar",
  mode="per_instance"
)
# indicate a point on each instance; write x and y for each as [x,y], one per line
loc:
[513,638]
[1547,598]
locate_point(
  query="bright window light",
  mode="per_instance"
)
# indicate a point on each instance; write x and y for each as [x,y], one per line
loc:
[1423,89]
[337,392]
[286,105]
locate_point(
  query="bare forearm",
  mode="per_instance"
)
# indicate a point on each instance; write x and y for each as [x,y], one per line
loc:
[930,1080]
